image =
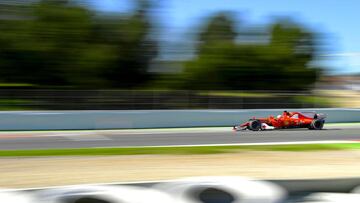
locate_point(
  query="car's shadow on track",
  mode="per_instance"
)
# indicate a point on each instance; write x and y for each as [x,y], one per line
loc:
[333,129]
[295,130]
[305,129]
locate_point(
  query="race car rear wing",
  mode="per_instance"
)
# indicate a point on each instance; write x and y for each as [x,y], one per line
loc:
[320,116]
[313,114]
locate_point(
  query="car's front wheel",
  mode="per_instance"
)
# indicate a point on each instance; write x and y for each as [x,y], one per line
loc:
[254,125]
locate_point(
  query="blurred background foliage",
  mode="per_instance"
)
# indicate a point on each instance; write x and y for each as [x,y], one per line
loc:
[57,43]
[65,44]
[65,54]
[281,64]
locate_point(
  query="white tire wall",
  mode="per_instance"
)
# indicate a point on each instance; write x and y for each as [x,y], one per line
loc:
[103,194]
[222,190]
[7,196]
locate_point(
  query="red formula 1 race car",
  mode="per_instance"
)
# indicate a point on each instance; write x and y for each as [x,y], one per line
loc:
[310,120]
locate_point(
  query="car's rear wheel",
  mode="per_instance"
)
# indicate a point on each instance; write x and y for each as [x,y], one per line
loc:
[317,124]
[254,125]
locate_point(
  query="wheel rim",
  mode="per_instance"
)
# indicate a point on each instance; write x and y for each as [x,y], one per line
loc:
[317,124]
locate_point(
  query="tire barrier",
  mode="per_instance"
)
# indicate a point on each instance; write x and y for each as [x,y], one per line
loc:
[221,189]
[330,198]
[337,185]
[356,190]
[9,196]
[102,194]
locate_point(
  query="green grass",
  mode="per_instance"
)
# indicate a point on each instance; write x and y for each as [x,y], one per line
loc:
[237,94]
[16,85]
[316,101]
[15,104]
[174,150]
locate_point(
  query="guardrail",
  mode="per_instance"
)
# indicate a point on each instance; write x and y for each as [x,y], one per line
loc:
[124,119]
[44,99]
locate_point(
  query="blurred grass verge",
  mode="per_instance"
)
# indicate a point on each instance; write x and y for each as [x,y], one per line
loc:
[16,104]
[21,85]
[316,101]
[237,94]
[175,150]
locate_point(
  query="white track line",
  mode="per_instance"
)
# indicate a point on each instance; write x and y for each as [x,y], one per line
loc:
[80,138]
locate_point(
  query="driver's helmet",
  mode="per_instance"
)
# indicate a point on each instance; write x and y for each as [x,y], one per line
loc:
[279,116]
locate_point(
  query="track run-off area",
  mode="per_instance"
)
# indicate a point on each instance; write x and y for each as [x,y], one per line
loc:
[15,140]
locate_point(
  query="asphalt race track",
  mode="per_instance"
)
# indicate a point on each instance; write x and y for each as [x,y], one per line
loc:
[197,136]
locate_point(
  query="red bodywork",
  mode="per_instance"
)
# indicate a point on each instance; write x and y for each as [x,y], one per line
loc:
[286,120]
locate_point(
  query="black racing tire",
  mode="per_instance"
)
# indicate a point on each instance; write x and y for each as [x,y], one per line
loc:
[317,124]
[254,125]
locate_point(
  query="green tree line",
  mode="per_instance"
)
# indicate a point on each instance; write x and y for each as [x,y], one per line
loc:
[283,62]
[59,43]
